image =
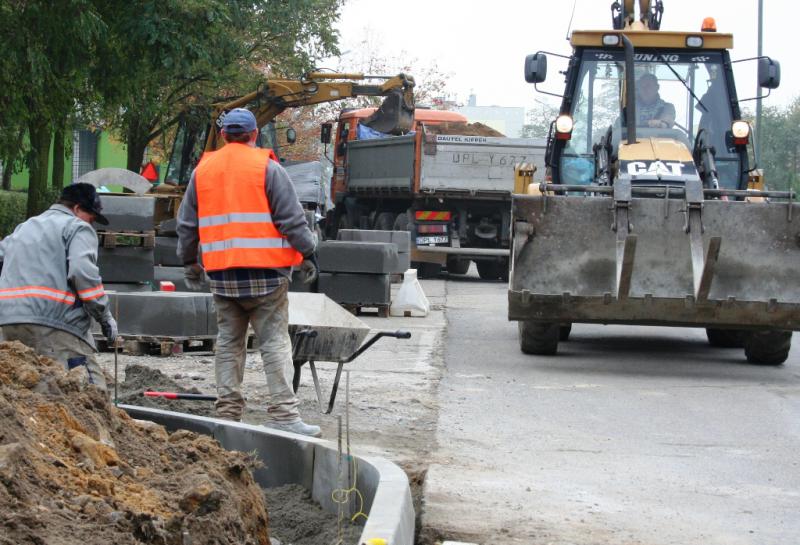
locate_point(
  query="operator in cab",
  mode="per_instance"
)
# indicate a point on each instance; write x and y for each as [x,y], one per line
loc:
[651,110]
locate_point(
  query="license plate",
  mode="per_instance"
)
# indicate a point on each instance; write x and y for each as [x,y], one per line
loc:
[421,241]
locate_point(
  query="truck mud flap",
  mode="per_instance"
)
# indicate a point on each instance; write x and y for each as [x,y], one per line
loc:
[659,261]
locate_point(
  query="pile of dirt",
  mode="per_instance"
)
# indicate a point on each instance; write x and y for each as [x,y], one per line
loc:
[139,378]
[466,129]
[74,470]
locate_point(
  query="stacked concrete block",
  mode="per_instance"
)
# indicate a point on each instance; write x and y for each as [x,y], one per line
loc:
[358,273]
[164,314]
[128,264]
[402,239]
[361,290]
[166,252]
[169,274]
[126,213]
[359,257]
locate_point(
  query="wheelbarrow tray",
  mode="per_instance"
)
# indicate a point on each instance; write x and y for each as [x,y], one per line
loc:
[339,334]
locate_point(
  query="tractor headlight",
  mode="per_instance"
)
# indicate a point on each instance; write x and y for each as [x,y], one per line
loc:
[564,126]
[741,132]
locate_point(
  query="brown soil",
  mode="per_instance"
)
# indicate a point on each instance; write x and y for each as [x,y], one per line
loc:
[139,378]
[466,129]
[76,470]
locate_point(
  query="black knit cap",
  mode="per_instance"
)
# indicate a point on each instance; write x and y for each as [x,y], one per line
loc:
[85,196]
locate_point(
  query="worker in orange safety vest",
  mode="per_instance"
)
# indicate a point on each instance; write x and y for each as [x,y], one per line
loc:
[242,229]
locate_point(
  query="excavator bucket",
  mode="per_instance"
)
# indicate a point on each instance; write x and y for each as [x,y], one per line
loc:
[657,260]
[395,115]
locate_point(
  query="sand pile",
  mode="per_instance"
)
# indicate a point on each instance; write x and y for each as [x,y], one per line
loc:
[75,470]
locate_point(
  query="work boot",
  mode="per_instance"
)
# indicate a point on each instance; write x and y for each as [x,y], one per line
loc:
[299,427]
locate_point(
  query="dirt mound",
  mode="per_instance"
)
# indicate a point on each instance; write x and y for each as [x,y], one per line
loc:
[139,378]
[76,470]
[466,129]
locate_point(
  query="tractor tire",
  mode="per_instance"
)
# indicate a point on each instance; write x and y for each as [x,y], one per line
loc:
[563,332]
[457,266]
[725,338]
[539,339]
[490,270]
[767,347]
[385,222]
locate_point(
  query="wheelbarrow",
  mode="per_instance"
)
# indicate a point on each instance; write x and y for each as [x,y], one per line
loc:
[321,330]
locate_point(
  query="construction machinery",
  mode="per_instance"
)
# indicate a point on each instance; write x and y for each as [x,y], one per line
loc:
[649,213]
[448,183]
[196,134]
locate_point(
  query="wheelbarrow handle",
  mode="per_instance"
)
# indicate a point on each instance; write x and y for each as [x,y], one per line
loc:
[401,334]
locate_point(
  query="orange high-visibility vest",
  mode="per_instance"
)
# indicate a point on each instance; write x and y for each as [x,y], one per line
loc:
[234,216]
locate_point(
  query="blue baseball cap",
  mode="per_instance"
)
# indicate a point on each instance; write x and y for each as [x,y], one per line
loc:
[238,121]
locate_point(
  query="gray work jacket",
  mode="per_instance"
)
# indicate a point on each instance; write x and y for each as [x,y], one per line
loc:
[49,274]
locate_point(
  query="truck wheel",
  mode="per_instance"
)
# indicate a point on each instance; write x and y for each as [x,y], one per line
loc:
[767,347]
[384,222]
[457,266]
[538,338]
[427,270]
[401,222]
[490,270]
[725,338]
[563,332]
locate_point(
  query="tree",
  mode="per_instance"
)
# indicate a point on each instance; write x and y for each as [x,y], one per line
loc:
[48,49]
[164,57]
[780,145]
[538,120]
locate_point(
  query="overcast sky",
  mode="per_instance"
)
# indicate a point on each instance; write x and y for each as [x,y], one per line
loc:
[482,44]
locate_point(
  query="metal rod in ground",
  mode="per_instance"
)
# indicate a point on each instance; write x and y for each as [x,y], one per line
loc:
[116,352]
[180,395]
[347,409]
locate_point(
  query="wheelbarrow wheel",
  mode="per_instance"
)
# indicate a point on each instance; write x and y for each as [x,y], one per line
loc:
[767,347]
[725,338]
[538,338]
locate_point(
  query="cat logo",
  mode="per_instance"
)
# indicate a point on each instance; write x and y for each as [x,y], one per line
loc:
[655,168]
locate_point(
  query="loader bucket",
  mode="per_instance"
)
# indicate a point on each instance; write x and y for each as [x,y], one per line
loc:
[395,114]
[726,264]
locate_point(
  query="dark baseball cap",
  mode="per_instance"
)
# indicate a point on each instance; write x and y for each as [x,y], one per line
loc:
[85,196]
[238,121]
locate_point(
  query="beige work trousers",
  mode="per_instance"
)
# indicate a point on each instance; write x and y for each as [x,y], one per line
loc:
[269,316]
[63,347]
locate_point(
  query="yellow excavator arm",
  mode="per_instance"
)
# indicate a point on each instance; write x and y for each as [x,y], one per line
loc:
[395,115]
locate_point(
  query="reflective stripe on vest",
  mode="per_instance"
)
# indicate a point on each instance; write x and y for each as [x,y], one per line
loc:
[39,292]
[234,215]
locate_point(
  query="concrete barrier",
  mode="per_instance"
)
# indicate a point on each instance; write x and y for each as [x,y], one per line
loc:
[313,463]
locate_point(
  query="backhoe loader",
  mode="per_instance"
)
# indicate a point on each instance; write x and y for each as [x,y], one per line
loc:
[651,212]
[196,134]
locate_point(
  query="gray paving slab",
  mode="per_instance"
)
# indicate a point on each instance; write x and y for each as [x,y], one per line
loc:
[356,289]
[168,227]
[126,264]
[360,257]
[165,252]
[401,238]
[170,274]
[128,213]
[127,286]
[164,314]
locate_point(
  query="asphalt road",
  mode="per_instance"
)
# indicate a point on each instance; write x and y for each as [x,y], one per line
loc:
[630,435]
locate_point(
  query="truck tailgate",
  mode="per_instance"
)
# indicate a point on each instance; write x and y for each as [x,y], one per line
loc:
[384,164]
[476,163]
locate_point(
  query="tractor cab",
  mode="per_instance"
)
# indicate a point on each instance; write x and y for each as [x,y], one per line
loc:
[653,107]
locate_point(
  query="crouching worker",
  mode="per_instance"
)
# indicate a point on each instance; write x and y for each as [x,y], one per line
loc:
[50,286]
[241,209]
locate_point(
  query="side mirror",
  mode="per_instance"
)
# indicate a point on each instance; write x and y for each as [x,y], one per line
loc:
[769,73]
[325,133]
[291,135]
[536,68]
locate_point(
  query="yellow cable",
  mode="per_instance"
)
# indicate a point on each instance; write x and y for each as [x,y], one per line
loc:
[342,495]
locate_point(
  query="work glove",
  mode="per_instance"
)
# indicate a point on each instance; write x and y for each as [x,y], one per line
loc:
[109,329]
[195,277]
[309,269]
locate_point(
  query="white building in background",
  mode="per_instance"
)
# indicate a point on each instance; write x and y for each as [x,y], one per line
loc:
[507,120]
